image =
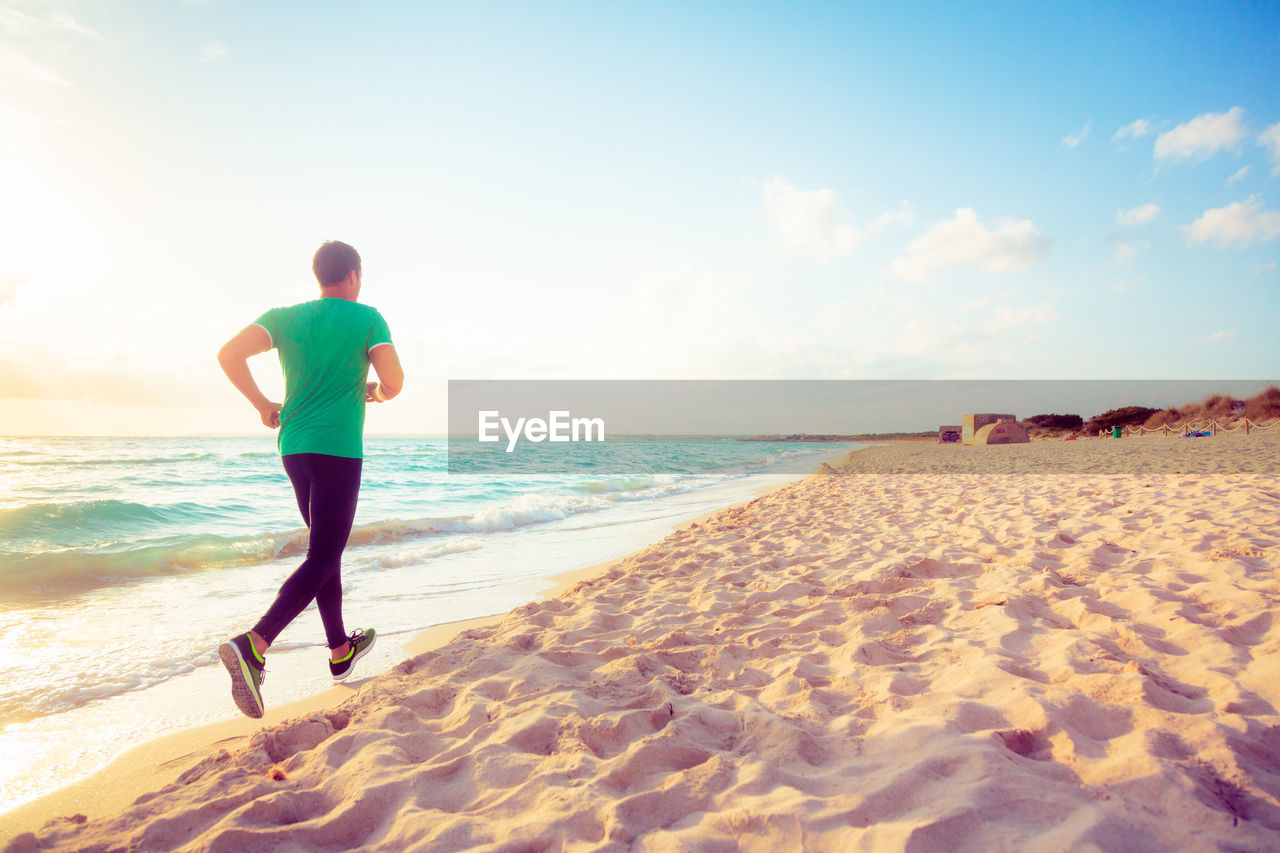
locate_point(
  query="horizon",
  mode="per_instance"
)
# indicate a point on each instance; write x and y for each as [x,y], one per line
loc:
[656,192]
[1229,388]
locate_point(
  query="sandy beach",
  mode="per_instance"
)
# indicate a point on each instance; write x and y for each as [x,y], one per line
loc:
[922,648]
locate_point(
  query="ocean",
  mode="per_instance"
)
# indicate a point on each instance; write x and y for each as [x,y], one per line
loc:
[124,562]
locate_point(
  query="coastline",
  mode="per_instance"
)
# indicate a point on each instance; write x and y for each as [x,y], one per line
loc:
[161,760]
[854,660]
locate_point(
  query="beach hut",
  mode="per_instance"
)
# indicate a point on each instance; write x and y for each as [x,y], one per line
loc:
[1002,432]
[948,434]
[972,423]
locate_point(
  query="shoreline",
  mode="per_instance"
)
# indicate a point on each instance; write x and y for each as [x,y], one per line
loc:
[897,652]
[161,760]
[864,658]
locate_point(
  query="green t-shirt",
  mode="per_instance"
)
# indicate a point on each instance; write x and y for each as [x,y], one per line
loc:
[324,350]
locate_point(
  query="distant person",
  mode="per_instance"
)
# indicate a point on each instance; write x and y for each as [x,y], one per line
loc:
[326,347]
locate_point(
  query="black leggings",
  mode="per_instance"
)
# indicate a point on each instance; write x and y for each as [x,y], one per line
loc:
[326,488]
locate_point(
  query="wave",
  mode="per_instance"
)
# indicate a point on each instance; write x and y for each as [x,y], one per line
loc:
[86,566]
[417,556]
[616,484]
[79,569]
[72,522]
[123,460]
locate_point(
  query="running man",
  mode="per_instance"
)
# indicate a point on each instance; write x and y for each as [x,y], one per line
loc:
[326,347]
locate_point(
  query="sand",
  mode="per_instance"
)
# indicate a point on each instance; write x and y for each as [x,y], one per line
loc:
[863,660]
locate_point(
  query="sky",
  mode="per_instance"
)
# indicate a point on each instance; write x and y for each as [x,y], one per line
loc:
[632,191]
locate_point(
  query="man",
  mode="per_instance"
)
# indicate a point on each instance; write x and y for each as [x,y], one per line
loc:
[326,347]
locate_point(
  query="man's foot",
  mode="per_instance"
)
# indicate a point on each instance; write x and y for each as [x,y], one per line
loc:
[359,642]
[247,670]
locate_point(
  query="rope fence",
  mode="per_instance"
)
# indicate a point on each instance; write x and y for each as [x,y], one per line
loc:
[1212,427]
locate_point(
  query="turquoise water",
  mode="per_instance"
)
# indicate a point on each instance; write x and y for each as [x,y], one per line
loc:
[124,562]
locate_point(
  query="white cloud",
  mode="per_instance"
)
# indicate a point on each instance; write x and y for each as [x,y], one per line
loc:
[836,316]
[40,34]
[1014,244]
[1137,215]
[1270,138]
[1202,136]
[1239,174]
[17,68]
[10,281]
[26,121]
[1225,334]
[1011,319]
[814,221]
[1126,251]
[1239,223]
[1133,130]
[904,214]
[1261,268]
[213,52]
[63,21]
[17,23]
[1071,140]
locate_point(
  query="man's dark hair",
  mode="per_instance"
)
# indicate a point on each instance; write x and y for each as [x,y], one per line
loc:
[333,261]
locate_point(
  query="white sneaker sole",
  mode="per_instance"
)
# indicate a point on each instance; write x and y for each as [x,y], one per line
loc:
[247,699]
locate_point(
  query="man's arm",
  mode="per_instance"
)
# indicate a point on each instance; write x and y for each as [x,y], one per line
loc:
[386,363]
[234,358]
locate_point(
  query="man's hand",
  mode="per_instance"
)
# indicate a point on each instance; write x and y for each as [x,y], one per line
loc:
[373,394]
[270,414]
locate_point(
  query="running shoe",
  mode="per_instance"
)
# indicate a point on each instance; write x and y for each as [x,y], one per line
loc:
[361,642]
[247,670]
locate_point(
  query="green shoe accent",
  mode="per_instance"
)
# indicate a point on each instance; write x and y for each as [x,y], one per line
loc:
[361,642]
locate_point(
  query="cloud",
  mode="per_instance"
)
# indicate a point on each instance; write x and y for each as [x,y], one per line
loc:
[1133,130]
[1012,319]
[63,21]
[17,68]
[1073,139]
[1238,224]
[25,26]
[1202,136]
[1270,138]
[1224,335]
[40,34]
[1137,215]
[1239,174]
[1261,268]
[17,23]
[836,316]
[10,281]
[814,221]
[213,52]
[1014,244]
[904,214]
[1126,251]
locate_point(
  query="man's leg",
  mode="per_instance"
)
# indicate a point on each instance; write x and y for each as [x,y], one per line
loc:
[332,486]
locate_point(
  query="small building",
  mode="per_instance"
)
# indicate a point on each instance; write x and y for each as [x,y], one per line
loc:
[1002,432]
[972,423]
[948,434]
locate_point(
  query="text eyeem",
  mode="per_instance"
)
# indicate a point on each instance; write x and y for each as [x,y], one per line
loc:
[558,426]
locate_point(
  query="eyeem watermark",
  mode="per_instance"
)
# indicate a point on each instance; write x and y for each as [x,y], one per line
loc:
[558,426]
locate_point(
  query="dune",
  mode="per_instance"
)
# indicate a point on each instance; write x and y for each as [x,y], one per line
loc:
[910,650]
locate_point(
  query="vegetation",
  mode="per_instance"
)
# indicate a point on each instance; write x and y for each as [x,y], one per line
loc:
[1054,422]
[1127,416]
[1263,406]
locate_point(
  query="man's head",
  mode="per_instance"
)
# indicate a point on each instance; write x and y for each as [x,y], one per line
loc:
[333,262]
